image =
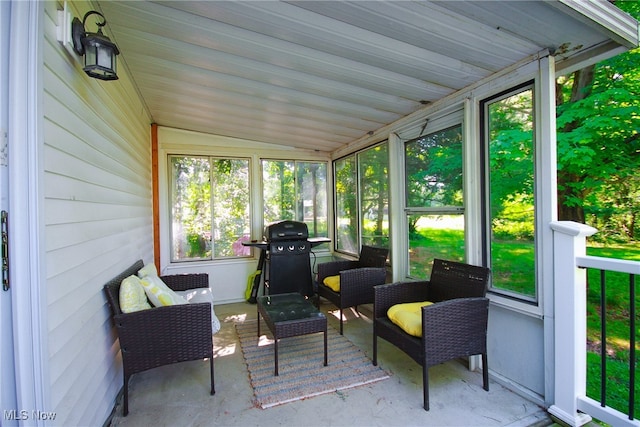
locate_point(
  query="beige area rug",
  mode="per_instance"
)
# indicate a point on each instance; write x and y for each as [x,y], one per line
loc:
[302,373]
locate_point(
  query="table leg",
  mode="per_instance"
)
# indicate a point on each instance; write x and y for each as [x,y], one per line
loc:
[275,353]
[325,347]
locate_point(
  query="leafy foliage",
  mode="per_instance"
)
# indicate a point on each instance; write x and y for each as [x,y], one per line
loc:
[230,200]
[434,172]
[346,204]
[362,199]
[598,118]
[374,195]
[191,212]
[511,155]
[278,186]
[434,169]
[210,207]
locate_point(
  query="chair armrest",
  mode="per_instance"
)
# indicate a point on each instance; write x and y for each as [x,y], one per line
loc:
[359,281]
[154,332]
[455,328]
[333,268]
[390,294]
[183,282]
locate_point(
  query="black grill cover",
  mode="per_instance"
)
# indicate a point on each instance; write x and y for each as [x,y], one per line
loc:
[286,230]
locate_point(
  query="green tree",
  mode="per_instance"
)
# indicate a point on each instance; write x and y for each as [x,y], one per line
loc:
[598,118]
[311,178]
[191,210]
[434,171]
[230,203]
[278,183]
[346,203]
[374,194]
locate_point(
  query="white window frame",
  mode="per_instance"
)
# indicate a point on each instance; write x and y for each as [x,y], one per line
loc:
[170,189]
[296,162]
[443,120]
[179,142]
[359,199]
[542,72]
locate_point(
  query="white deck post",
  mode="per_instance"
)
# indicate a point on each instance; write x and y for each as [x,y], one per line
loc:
[570,326]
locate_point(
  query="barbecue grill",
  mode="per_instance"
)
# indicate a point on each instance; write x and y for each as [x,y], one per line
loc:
[287,263]
[284,261]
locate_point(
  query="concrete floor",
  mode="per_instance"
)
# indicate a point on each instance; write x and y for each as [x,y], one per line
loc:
[178,395]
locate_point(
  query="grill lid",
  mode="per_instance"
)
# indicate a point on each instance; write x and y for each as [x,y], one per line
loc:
[286,230]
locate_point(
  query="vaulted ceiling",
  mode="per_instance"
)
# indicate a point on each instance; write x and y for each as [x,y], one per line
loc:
[321,74]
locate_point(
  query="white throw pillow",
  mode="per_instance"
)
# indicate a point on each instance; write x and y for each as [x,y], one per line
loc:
[132,295]
[159,293]
[148,270]
[198,295]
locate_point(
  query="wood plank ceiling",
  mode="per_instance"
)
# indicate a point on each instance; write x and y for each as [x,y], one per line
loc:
[321,74]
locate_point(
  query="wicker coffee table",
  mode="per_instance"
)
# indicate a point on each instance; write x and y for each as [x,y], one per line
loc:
[290,315]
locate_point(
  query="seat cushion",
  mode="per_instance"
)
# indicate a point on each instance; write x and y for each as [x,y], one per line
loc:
[199,295]
[332,282]
[132,295]
[408,316]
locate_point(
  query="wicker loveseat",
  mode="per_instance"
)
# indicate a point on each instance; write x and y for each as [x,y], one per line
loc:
[454,326]
[161,335]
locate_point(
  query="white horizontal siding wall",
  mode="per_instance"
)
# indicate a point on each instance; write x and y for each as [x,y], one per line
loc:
[97,217]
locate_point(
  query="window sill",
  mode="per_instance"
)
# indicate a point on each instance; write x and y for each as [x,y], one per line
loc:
[522,307]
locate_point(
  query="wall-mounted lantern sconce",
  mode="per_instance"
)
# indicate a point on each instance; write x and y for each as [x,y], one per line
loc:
[99,52]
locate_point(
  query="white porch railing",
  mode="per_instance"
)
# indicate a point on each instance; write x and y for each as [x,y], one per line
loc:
[571,404]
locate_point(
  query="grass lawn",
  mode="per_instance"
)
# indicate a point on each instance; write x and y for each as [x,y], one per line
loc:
[617,315]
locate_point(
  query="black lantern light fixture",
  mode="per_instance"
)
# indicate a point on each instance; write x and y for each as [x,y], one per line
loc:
[99,52]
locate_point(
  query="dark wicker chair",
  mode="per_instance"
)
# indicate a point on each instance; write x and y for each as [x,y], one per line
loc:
[162,335]
[454,326]
[357,278]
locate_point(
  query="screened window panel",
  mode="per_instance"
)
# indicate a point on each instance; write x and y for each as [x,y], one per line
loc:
[346,205]
[434,236]
[362,199]
[373,188]
[190,208]
[510,202]
[296,191]
[209,221]
[434,200]
[434,169]
[312,197]
[278,190]
[231,201]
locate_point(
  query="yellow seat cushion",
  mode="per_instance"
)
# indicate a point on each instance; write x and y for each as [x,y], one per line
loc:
[332,282]
[408,316]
